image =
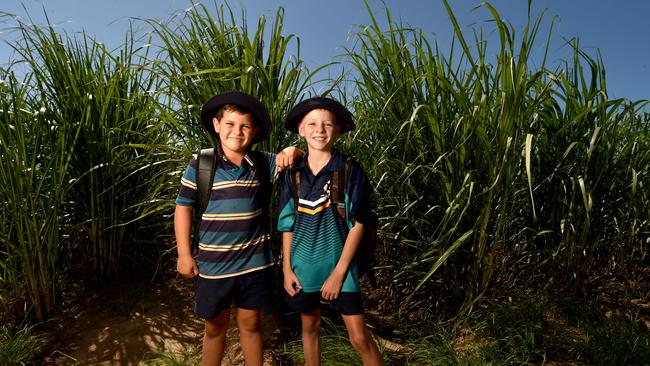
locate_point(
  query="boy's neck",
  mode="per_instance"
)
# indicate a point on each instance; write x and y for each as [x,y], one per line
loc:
[234,157]
[317,159]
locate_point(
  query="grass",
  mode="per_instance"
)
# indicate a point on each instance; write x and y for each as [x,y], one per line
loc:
[33,188]
[621,342]
[516,160]
[185,357]
[529,328]
[20,345]
[335,347]
[208,50]
[434,347]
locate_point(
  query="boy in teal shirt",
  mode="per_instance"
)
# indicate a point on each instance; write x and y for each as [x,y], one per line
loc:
[318,245]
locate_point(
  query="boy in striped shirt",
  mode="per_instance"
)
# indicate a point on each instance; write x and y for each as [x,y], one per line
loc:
[234,257]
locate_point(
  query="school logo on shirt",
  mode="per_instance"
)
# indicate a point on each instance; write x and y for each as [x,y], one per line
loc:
[326,188]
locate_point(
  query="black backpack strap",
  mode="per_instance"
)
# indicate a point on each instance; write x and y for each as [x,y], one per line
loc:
[263,175]
[294,181]
[206,161]
[339,185]
[206,164]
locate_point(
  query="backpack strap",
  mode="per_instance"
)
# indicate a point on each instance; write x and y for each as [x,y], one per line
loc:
[339,184]
[206,161]
[294,181]
[262,173]
[206,164]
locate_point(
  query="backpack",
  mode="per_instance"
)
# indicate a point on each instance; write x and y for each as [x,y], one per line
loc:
[206,161]
[365,255]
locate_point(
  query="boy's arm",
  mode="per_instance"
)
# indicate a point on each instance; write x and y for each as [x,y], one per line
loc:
[285,158]
[332,286]
[291,283]
[182,228]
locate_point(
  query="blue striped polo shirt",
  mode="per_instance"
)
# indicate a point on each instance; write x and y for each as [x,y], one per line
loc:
[319,232]
[233,237]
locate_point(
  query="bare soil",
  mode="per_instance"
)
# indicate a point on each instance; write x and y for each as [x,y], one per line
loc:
[134,323]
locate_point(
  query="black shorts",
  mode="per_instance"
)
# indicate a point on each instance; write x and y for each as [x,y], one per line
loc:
[348,303]
[251,291]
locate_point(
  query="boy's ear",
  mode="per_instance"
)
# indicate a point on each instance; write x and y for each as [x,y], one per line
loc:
[300,129]
[215,124]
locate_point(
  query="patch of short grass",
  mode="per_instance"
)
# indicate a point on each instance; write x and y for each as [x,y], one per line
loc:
[623,342]
[188,356]
[335,348]
[20,345]
[436,348]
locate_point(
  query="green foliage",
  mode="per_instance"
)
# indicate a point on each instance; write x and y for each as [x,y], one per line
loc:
[185,357]
[33,188]
[624,342]
[433,348]
[111,99]
[20,346]
[482,165]
[335,347]
[526,331]
[208,51]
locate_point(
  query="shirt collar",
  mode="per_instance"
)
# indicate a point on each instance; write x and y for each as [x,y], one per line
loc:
[335,164]
[247,158]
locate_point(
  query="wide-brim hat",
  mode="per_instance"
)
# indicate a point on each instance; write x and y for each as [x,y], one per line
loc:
[343,115]
[261,117]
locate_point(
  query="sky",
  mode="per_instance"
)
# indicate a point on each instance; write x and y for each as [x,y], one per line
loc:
[618,29]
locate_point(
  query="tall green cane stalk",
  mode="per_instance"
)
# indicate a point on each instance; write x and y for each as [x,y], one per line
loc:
[207,51]
[111,97]
[35,151]
[481,163]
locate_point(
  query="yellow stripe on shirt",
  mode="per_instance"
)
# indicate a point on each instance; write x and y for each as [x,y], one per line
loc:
[231,216]
[236,273]
[235,183]
[229,247]
[315,210]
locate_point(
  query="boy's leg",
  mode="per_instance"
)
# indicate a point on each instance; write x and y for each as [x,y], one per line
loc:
[253,293]
[311,336]
[250,336]
[362,340]
[214,339]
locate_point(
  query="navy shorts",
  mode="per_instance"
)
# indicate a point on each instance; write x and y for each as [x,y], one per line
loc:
[348,303]
[251,291]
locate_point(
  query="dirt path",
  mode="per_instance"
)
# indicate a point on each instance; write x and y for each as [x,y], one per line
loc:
[129,326]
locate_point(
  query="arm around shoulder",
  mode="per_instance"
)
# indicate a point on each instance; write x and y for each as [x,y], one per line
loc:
[286,157]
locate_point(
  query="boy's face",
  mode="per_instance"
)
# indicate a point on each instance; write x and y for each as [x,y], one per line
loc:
[320,129]
[236,131]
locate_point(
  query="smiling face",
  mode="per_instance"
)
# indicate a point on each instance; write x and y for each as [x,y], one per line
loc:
[236,131]
[320,129]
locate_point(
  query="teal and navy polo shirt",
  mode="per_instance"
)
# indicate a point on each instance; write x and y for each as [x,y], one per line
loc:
[319,232]
[233,237]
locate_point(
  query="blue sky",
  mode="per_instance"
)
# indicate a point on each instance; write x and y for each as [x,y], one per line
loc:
[620,29]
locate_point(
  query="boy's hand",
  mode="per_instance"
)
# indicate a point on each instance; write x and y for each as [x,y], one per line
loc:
[285,158]
[187,266]
[332,286]
[291,284]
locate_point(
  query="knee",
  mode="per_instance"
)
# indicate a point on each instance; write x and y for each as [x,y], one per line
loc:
[248,322]
[311,325]
[216,327]
[361,342]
